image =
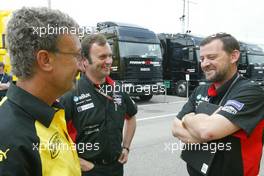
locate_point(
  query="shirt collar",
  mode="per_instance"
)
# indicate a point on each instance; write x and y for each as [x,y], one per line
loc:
[222,89]
[38,109]
[109,81]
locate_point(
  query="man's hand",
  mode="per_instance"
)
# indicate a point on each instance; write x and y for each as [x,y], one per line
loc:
[4,86]
[123,157]
[86,165]
[209,127]
[180,132]
[186,116]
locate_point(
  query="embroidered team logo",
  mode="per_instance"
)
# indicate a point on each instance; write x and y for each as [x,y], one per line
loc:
[200,99]
[235,104]
[117,99]
[75,99]
[81,97]
[3,155]
[85,107]
[55,145]
[232,106]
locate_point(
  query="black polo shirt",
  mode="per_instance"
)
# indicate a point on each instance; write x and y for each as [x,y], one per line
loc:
[34,139]
[244,106]
[97,114]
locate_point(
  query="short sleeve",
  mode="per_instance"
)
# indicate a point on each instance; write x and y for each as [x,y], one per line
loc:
[245,107]
[131,107]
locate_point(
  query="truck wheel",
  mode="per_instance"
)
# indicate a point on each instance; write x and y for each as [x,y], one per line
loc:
[181,88]
[145,97]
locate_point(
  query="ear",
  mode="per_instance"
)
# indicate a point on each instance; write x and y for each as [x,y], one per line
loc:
[82,64]
[235,56]
[44,61]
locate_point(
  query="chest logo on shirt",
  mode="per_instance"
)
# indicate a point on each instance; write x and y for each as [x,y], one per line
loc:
[81,97]
[200,98]
[55,145]
[117,99]
[85,107]
[3,155]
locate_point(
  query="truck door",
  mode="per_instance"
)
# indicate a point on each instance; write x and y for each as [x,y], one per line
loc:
[243,64]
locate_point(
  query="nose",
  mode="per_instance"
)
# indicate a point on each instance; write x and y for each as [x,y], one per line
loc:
[109,60]
[205,62]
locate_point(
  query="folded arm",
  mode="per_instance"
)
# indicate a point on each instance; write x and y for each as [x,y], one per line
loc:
[180,132]
[208,127]
[4,86]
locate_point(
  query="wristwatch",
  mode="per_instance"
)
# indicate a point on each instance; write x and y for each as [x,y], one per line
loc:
[126,148]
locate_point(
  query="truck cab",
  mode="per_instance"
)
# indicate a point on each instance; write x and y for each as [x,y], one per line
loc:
[181,55]
[136,58]
[251,62]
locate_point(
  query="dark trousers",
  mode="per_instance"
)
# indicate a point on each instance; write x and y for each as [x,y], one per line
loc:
[112,169]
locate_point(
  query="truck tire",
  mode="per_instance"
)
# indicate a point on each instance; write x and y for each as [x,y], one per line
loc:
[145,97]
[181,88]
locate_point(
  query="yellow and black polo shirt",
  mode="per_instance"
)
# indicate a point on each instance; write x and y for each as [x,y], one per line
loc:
[33,137]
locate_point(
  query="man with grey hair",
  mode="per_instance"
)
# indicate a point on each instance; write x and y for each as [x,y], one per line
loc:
[36,141]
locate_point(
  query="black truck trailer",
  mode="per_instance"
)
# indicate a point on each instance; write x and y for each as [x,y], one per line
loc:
[251,62]
[181,59]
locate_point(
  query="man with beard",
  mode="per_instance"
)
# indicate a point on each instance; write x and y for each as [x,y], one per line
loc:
[96,111]
[235,125]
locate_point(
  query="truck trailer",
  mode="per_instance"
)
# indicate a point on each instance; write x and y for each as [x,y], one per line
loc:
[251,62]
[181,62]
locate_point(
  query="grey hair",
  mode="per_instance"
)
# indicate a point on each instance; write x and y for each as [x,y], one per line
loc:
[24,41]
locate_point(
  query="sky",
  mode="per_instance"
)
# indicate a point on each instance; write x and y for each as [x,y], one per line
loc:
[244,19]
